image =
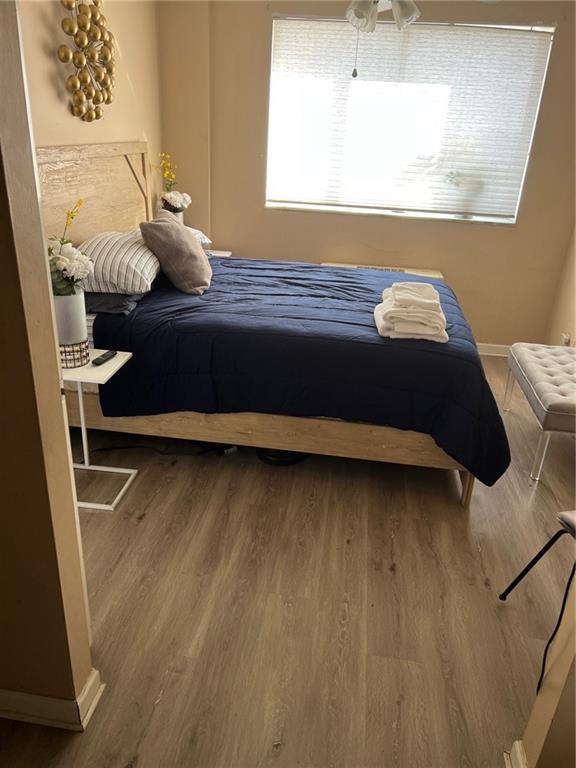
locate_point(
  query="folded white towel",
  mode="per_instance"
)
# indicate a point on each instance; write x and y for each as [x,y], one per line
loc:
[433,318]
[395,327]
[415,294]
[411,310]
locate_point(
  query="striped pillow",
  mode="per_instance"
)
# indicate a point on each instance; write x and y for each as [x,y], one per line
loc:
[122,263]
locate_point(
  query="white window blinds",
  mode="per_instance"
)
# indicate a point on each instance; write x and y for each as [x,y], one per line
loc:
[439,121]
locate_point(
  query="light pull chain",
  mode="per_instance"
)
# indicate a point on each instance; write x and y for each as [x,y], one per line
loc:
[355,70]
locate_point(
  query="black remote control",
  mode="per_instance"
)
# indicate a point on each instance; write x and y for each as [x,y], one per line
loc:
[103,358]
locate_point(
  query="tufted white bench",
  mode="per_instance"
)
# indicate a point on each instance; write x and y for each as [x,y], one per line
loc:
[547,376]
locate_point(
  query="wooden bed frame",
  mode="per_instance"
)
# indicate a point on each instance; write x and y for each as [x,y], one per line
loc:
[114,182]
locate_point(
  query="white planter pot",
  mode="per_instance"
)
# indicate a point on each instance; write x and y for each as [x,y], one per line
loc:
[71,318]
[179,215]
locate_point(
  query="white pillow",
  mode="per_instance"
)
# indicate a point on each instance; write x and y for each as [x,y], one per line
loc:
[203,239]
[122,263]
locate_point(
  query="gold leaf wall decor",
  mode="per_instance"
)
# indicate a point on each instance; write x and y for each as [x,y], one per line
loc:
[91,53]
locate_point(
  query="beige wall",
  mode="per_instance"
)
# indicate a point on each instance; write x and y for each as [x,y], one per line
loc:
[548,740]
[184,42]
[135,112]
[44,636]
[505,276]
[35,658]
[563,319]
[560,745]
[34,645]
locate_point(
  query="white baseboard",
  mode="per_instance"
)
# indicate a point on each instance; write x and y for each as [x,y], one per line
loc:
[89,697]
[71,714]
[516,758]
[494,350]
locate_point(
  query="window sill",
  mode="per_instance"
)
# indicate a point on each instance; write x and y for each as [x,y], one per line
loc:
[389,212]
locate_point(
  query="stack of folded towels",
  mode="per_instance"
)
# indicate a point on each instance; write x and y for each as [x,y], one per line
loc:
[411,311]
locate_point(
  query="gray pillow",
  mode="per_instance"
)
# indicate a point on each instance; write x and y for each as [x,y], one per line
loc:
[181,257]
[112,303]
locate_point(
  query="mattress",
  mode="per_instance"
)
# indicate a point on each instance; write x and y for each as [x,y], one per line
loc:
[299,339]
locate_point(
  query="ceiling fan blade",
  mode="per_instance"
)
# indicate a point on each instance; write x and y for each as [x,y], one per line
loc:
[405,12]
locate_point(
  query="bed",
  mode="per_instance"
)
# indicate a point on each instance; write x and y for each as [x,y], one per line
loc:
[282,355]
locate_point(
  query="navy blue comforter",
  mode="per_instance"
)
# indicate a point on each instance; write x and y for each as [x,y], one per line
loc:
[299,339]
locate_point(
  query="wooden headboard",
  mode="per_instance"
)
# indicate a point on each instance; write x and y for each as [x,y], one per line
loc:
[113,180]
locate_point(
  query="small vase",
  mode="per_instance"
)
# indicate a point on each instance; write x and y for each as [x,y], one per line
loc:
[72,331]
[167,207]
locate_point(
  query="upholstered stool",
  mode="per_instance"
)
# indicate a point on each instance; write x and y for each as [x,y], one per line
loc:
[547,376]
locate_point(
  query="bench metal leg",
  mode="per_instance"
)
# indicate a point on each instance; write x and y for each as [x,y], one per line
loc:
[532,563]
[510,381]
[540,455]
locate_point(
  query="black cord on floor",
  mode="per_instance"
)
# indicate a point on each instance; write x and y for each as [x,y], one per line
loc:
[556,628]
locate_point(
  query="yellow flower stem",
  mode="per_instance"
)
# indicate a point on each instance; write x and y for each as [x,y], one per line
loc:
[70,216]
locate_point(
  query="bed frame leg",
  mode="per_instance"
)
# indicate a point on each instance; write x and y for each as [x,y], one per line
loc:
[467,479]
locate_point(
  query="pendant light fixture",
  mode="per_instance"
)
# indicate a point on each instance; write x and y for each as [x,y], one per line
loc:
[363,15]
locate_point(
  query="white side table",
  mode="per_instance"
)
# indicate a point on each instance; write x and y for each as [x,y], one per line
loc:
[97,374]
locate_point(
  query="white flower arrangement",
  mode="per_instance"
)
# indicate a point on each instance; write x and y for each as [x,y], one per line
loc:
[68,265]
[172,200]
[175,201]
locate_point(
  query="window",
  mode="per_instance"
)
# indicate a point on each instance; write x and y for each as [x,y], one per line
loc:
[438,123]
